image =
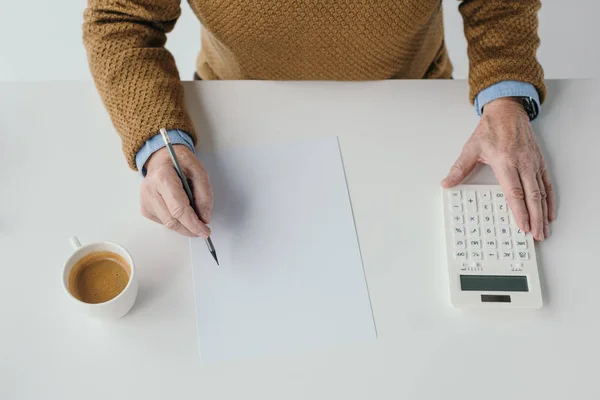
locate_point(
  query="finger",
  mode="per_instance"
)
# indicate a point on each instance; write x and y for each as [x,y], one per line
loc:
[179,206]
[164,216]
[509,180]
[462,167]
[550,195]
[533,200]
[542,187]
[203,197]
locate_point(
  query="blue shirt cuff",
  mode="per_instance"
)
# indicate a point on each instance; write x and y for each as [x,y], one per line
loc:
[506,89]
[156,142]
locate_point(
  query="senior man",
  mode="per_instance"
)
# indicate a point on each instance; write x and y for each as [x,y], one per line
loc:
[319,40]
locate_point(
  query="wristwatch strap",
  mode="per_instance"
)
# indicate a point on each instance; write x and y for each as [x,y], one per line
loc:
[531,107]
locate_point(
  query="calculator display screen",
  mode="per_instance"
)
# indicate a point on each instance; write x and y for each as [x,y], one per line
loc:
[498,283]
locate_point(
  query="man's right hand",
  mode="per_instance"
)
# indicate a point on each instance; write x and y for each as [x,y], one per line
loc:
[163,198]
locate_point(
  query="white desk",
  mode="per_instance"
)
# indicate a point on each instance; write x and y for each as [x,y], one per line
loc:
[62,173]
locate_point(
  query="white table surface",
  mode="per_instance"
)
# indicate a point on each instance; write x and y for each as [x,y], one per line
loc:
[62,173]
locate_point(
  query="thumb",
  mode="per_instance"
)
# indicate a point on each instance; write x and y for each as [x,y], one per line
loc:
[462,167]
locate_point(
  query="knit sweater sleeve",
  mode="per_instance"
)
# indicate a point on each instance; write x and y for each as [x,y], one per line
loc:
[135,75]
[502,42]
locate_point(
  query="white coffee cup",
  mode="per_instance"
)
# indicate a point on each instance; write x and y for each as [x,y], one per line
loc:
[115,307]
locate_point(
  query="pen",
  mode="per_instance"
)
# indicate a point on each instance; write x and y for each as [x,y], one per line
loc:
[186,187]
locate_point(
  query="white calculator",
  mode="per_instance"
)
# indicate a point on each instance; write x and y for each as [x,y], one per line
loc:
[491,262]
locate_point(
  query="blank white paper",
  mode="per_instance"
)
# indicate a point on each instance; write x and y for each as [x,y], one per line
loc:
[291,275]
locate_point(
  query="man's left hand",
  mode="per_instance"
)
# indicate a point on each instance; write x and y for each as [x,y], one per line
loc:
[505,141]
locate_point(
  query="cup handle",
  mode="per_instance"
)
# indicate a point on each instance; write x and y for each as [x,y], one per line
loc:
[74,242]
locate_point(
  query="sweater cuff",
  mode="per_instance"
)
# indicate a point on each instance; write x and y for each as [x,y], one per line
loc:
[506,89]
[156,143]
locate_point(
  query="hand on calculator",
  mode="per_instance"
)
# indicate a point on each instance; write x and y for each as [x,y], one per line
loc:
[505,141]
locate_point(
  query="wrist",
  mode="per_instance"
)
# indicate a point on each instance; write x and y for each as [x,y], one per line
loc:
[156,143]
[516,90]
[161,156]
[505,105]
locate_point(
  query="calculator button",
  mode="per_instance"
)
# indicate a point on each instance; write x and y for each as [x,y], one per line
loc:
[506,244]
[465,266]
[476,255]
[456,208]
[523,255]
[499,196]
[487,207]
[504,231]
[455,200]
[521,244]
[472,219]
[489,230]
[459,230]
[460,255]
[491,244]
[455,195]
[459,244]
[458,219]
[507,255]
[473,231]
[519,232]
[488,219]
[486,195]
[491,255]
[501,207]
[502,218]
[470,201]
[475,243]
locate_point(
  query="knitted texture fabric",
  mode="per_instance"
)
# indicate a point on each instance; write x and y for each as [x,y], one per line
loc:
[294,40]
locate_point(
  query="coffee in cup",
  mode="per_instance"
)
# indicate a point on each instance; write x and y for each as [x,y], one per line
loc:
[99,277]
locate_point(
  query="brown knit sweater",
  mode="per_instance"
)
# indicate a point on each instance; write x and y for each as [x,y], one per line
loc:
[294,40]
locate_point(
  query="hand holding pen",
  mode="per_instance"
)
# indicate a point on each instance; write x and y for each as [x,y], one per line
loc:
[164,200]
